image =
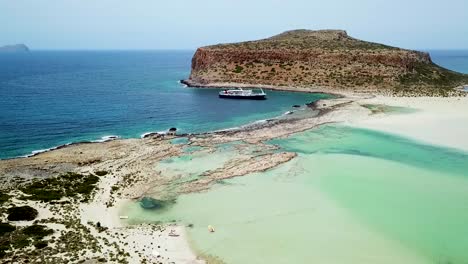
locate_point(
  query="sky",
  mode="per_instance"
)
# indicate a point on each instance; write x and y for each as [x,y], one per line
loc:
[188,24]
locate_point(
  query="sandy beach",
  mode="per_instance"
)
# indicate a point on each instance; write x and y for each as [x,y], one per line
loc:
[131,164]
[438,120]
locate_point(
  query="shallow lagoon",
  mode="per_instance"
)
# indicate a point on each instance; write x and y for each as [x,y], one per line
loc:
[351,196]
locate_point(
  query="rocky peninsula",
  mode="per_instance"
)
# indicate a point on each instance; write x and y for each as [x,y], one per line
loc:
[326,60]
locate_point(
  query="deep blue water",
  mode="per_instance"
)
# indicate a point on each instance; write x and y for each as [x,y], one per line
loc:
[50,98]
[456,60]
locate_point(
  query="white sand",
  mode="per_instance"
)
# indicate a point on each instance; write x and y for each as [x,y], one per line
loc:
[145,241]
[439,121]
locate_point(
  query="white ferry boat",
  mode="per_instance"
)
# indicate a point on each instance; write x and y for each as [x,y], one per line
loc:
[239,93]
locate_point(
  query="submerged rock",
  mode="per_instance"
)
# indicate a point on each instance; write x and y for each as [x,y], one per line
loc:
[154,204]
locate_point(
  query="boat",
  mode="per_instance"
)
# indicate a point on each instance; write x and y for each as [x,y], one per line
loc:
[173,233]
[211,229]
[240,93]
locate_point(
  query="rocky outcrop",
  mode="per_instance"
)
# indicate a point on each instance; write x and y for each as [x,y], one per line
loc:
[14,48]
[326,59]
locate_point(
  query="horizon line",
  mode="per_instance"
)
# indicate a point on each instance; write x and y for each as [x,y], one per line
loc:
[194,49]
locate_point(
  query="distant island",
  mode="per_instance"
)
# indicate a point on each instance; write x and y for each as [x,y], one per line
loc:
[14,48]
[328,60]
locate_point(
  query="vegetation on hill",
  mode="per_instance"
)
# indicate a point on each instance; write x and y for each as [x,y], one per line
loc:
[303,39]
[325,59]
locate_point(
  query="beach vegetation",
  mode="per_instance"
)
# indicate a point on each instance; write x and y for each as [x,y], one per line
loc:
[6,228]
[18,238]
[37,231]
[22,213]
[40,244]
[73,185]
[101,173]
[4,198]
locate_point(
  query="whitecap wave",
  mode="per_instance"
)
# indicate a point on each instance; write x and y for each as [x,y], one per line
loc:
[153,133]
[183,84]
[106,138]
[39,151]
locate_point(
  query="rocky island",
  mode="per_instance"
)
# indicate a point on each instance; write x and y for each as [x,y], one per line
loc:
[326,60]
[14,48]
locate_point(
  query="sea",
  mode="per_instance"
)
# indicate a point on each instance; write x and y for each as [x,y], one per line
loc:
[54,98]
[351,195]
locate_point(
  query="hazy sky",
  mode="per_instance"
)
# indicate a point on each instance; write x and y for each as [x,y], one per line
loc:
[187,24]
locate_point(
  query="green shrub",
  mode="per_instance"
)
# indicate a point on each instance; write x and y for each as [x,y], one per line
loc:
[6,228]
[238,69]
[101,173]
[4,198]
[22,213]
[66,185]
[40,244]
[20,242]
[37,231]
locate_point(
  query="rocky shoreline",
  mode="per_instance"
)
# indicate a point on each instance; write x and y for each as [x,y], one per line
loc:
[125,171]
[129,175]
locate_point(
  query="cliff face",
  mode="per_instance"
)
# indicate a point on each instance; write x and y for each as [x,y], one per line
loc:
[327,59]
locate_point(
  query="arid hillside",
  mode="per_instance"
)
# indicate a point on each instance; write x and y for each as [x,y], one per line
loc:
[327,59]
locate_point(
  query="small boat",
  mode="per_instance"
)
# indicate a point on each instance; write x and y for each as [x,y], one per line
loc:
[211,229]
[242,94]
[173,233]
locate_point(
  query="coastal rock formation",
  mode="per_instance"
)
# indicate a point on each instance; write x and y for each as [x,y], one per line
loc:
[324,59]
[14,48]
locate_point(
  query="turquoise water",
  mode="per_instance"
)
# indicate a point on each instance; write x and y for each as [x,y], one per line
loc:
[50,98]
[351,196]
